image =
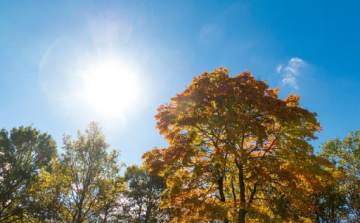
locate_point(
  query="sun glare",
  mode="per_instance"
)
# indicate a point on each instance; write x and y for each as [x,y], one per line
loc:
[109,87]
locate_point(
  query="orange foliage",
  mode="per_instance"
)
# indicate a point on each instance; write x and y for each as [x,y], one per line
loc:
[236,151]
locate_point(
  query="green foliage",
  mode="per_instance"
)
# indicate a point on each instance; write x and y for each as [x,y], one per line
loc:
[331,203]
[345,155]
[141,199]
[23,153]
[85,183]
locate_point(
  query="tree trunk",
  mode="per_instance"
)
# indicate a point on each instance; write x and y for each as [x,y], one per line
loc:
[148,212]
[242,211]
[242,214]
[222,195]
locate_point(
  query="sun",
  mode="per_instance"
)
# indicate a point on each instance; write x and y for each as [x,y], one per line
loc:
[109,87]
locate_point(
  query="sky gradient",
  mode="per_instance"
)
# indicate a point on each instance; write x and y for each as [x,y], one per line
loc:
[64,64]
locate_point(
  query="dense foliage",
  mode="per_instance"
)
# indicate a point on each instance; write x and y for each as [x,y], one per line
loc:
[83,184]
[237,153]
[142,192]
[343,200]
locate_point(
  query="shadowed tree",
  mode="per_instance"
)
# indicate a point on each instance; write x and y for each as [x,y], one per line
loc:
[23,152]
[331,203]
[142,196]
[345,155]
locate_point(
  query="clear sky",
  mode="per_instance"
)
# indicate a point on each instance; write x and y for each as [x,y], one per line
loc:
[64,63]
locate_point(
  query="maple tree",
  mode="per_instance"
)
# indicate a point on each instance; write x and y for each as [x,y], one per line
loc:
[237,152]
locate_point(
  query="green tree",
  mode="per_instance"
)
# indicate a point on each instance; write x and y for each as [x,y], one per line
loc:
[141,199]
[237,152]
[23,153]
[345,154]
[331,203]
[48,195]
[85,182]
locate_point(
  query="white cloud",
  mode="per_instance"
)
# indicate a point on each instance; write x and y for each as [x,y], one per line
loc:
[291,71]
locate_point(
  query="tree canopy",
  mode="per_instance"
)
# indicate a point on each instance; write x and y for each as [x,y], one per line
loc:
[142,196]
[236,152]
[23,153]
[84,183]
[345,154]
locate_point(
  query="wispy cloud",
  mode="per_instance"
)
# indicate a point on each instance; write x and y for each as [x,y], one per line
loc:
[291,71]
[210,33]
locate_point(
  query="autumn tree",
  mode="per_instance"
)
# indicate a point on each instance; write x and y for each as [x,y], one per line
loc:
[141,198]
[237,152]
[345,154]
[85,182]
[23,153]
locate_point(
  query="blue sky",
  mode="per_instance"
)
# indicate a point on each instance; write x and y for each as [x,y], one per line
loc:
[139,54]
